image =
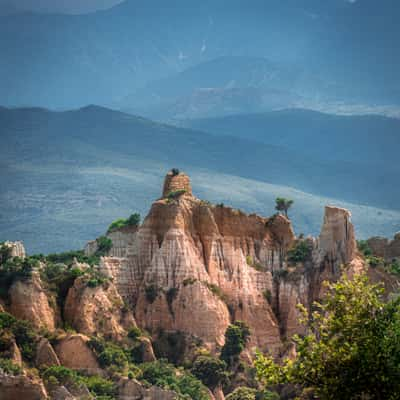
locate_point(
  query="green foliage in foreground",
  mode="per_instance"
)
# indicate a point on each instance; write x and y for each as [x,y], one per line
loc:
[133,220]
[351,350]
[165,375]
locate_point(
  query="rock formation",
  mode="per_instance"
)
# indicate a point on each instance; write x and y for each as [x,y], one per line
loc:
[194,267]
[99,310]
[29,301]
[385,248]
[17,249]
[74,352]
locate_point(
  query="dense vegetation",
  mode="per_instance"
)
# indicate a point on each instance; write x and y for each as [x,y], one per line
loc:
[351,349]
[133,220]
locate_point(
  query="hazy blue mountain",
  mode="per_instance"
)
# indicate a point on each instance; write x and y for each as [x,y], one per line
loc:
[68,174]
[64,61]
[222,86]
[369,140]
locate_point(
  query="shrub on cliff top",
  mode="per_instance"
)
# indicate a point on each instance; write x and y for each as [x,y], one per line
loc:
[174,194]
[133,220]
[282,204]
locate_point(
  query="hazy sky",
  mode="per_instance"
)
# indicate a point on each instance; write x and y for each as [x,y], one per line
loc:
[63,6]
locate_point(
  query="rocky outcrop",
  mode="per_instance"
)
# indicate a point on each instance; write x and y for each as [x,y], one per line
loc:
[73,352]
[17,249]
[97,310]
[45,354]
[176,182]
[190,258]
[336,244]
[21,387]
[30,302]
[385,248]
[130,389]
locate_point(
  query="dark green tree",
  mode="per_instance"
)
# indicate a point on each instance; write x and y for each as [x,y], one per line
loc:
[283,205]
[210,370]
[236,337]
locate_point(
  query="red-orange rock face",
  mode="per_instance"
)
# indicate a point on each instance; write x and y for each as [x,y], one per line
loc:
[194,267]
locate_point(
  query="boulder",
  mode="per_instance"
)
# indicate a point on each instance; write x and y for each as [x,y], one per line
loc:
[21,387]
[30,302]
[45,354]
[74,352]
[97,311]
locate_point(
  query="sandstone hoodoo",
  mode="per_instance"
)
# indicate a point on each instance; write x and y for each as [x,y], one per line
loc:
[178,286]
[193,267]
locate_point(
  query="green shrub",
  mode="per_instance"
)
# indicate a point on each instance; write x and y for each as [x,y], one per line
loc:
[8,367]
[109,354]
[174,194]
[363,246]
[100,387]
[133,220]
[104,245]
[151,292]
[162,374]
[15,269]
[23,333]
[210,370]
[5,253]
[26,338]
[189,281]
[242,393]
[394,267]
[6,320]
[236,337]
[300,252]
[60,375]
[134,333]
[68,257]
[217,291]
[375,261]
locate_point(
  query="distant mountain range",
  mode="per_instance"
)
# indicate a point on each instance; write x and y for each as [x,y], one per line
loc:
[69,174]
[369,140]
[340,49]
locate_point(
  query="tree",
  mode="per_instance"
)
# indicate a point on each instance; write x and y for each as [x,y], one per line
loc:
[210,370]
[282,204]
[236,337]
[351,350]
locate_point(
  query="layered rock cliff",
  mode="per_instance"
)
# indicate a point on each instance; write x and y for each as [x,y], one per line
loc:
[194,267]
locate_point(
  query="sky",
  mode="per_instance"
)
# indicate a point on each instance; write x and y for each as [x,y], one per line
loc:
[58,6]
